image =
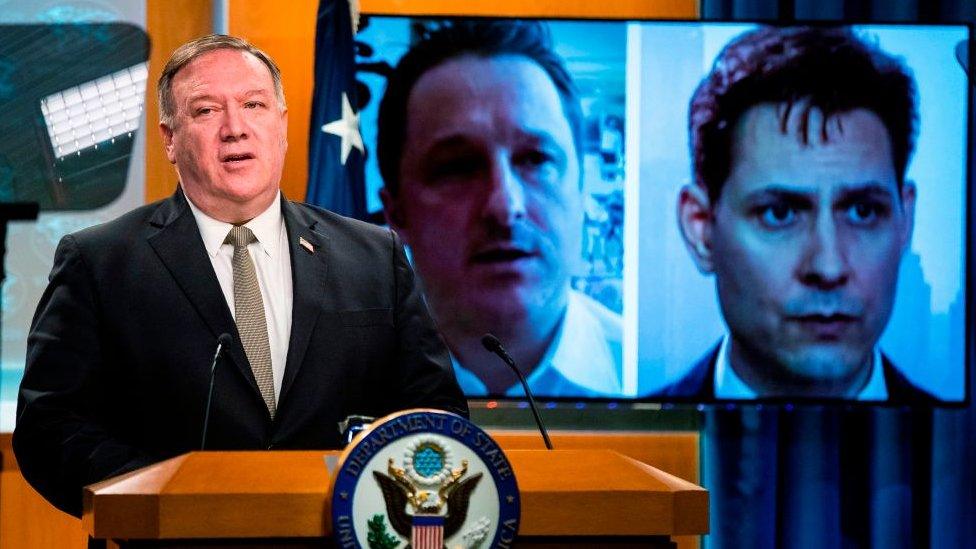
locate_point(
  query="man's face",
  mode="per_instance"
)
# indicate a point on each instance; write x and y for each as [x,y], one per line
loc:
[805,243]
[489,198]
[228,136]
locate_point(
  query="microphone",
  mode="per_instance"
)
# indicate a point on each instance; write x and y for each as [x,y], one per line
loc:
[493,345]
[223,341]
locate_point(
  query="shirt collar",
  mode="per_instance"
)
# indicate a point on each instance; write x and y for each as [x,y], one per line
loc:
[471,385]
[728,385]
[266,228]
[875,388]
[581,362]
[585,359]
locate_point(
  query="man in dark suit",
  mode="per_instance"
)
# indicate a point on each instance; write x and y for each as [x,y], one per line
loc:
[324,315]
[698,383]
[801,138]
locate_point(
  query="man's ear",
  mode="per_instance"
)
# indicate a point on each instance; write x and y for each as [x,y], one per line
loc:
[392,211]
[908,192]
[695,222]
[167,134]
[284,122]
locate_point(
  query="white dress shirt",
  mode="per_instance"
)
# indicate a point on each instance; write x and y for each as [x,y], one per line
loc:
[728,385]
[583,360]
[272,263]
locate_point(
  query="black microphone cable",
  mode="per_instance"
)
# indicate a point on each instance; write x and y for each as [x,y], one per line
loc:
[495,346]
[223,341]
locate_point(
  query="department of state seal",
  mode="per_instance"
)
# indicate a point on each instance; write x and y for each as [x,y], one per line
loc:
[424,479]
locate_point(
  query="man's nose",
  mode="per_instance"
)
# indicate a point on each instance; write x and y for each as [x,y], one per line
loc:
[825,262]
[505,203]
[234,125]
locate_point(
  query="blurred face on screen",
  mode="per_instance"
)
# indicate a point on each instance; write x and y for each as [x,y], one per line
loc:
[489,197]
[805,243]
[228,136]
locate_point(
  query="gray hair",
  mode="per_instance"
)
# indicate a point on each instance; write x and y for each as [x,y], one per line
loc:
[186,53]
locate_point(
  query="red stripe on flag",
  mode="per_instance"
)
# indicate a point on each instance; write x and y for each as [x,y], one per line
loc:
[427,537]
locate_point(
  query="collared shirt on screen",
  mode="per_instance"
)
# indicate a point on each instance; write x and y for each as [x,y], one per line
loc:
[272,263]
[728,385]
[584,359]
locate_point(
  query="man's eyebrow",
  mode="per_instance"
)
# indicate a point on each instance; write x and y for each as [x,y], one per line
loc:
[537,136]
[448,143]
[258,91]
[846,191]
[200,97]
[211,97]
[867,189]
[782,192]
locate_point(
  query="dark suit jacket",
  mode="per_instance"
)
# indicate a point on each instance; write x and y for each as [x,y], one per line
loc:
[119,351]
[699,383]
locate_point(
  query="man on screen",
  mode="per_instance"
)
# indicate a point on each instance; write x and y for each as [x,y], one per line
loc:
[480,149]
[320,316]
[801,138]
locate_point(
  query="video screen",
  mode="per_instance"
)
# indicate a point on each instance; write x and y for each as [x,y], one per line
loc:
[680,211]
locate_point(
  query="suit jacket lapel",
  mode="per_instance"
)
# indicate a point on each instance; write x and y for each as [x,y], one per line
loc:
[178,244]
[309,267]
[699,381]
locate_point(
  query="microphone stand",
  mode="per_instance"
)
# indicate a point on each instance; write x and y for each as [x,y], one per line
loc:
[222,342]
[493,345]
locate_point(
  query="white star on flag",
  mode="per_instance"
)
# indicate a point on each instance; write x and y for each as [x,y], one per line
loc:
[347,128]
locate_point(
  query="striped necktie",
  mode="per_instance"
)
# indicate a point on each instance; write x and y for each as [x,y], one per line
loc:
[249,314]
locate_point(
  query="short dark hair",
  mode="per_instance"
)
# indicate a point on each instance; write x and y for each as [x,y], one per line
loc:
[193,49]
[825,68]
[451,39]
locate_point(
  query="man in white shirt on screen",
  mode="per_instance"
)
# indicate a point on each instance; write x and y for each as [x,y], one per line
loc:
[480,150]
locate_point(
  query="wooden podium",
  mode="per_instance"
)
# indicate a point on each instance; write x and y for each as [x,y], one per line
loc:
[593,498]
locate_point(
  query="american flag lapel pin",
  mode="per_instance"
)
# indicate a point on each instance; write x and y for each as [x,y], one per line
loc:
[306,244]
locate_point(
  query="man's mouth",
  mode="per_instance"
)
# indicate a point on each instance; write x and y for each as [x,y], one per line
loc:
[237,157]
[826,325]
[500,255]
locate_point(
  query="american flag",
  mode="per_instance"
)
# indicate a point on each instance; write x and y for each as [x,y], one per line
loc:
[428,532]
[336,154]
